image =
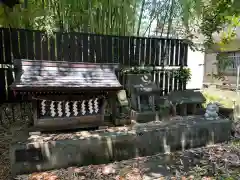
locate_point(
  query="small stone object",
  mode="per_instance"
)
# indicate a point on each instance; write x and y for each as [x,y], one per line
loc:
[38,133]
[212,110]
[122,98]
[102,127]
[109,169]
[33,137]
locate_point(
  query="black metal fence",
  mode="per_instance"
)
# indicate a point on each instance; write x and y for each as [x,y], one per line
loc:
[82,47]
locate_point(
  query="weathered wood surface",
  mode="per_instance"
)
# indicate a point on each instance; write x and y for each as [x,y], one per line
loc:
[43,74]
[187,97]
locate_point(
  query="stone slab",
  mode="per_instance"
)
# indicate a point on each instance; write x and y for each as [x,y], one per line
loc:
[97,147]
[143,117]
[146,117]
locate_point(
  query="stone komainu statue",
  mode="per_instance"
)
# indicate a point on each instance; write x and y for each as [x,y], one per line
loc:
[212,110]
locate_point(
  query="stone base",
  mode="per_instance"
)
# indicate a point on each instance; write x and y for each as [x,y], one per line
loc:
[144,117]
[53,151]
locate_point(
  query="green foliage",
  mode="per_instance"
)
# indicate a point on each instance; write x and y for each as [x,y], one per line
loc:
[225,102]
[137,70]
[210,16]
[179,18]
[98,16]
[223,62]
[182,74]
[219,15]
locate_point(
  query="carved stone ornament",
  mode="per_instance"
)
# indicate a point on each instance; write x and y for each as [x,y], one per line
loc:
[212,110]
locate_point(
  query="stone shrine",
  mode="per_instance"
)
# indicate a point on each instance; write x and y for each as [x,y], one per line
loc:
[145,97]
[186,102]
[67,95]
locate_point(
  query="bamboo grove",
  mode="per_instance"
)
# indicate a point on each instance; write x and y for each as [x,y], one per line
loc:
[172,18]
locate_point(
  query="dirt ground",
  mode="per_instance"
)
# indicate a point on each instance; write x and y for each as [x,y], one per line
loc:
[225,96]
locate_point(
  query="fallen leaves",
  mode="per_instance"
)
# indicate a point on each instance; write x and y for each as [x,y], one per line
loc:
[109,169]
[43,176]
[126,170]
[130,173]
[5,138]
[199,162]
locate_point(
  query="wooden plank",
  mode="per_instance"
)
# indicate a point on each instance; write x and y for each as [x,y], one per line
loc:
[132,55]
[163,52]
[7,46]
[38,47]
[15,45]
[185,56]
[153,52]
[180,85]
[110,49]
[181,54]
[184,85]
[104,49]
[73,47]
[30,44]
[66,47]
[137,51]
[168,46]
[173,42]
[2,86]
[1,47]
[118,51]
[171,81]
[157,51]
[98,49]
[121,50]
[148,52]
[177,51]
[161,81]
[85,48]
[52,46]
[113,106]
[92,46]
[126,51]
[79,49]
[166,82]
[44,42]
[59,45]
[143,50]
[175,82]
[9,80]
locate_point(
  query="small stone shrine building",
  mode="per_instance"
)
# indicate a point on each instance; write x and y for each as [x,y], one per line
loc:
[67,95]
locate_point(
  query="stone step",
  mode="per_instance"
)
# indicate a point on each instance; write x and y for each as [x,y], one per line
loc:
[54,151]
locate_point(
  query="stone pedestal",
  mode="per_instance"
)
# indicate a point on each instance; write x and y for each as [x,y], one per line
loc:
[52,151]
